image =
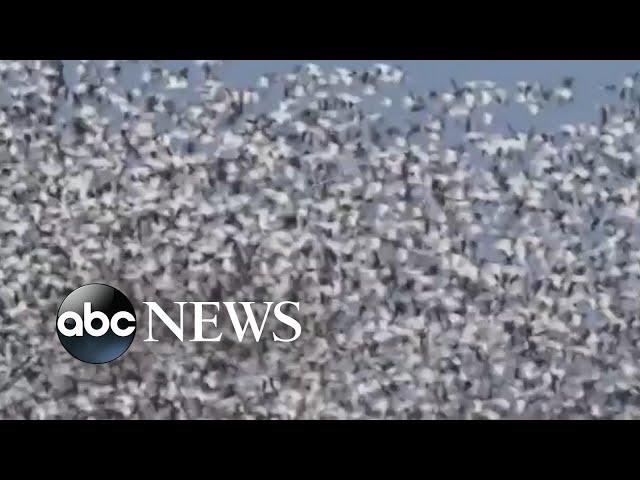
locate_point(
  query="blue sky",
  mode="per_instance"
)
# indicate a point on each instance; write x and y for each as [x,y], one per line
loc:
[425,75]
[438,72]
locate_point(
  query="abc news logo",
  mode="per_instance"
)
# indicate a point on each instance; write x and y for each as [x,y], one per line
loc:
[97,323]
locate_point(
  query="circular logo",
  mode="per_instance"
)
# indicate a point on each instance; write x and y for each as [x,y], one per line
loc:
[96,323]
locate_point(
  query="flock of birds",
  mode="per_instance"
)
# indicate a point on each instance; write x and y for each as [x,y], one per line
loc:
[447,265]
